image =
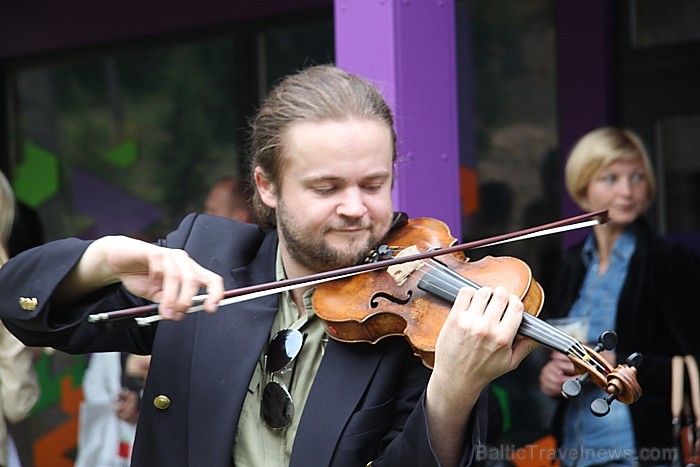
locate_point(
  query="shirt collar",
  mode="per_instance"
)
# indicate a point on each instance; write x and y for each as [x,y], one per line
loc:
[286,297]
[623,248]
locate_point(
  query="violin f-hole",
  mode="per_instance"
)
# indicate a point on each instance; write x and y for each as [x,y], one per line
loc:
[401,301]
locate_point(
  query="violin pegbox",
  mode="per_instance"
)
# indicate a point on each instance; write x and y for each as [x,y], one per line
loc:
[620,382]
[572,387]
[381,253]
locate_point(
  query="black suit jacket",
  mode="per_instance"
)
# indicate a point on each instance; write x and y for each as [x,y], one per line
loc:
[366,403]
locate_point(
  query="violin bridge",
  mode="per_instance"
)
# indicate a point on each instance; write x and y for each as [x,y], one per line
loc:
[400,272]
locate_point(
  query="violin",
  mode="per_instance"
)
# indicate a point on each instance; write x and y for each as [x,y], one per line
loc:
[413,299]
[407,288]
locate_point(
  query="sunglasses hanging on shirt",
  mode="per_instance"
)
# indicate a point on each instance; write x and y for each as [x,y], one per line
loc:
[280,365]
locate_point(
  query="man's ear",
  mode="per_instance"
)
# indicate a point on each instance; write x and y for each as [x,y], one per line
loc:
[266,188]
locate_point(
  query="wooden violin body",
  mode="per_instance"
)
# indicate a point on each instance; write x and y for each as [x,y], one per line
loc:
[415,298]
[369,307]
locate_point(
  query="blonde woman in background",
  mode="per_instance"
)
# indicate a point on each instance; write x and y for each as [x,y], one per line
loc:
[624,278]
[19,386]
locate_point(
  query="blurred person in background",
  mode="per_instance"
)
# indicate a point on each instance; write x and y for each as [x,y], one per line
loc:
[624,278]
[112,388]
[19,385]
[104,439]
[228,198]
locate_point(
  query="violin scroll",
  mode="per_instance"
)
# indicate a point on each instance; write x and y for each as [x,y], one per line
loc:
[622,386]
[620,383]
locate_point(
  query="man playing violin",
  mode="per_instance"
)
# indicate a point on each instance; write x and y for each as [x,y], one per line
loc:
[258,382]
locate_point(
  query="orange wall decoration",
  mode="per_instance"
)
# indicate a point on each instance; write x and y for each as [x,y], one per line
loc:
[54,419]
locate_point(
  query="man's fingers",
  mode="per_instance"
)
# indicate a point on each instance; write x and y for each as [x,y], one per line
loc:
[183,279]
[522,348]
[215,291]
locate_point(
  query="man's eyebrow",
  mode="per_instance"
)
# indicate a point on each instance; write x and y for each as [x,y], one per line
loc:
[337,178]
[321,178]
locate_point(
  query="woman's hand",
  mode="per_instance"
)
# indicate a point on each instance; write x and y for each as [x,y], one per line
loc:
[554,373]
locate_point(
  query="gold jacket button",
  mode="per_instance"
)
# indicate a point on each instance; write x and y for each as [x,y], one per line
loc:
[28,304]
[161,402]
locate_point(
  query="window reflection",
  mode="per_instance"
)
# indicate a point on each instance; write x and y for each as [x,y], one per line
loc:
[128,142]
[679,161]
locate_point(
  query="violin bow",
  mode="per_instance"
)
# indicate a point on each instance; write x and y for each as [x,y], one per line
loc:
[147,314]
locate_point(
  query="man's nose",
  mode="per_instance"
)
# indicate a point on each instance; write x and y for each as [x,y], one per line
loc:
[352,204]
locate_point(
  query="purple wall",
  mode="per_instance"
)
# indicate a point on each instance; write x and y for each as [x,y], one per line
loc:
[585,78]
[407,48]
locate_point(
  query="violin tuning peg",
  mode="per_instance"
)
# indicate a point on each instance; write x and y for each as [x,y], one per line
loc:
[606,341]
[572,387]
[601,407]
[381,253]
[634,360]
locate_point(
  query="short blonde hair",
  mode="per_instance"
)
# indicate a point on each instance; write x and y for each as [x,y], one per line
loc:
[598,149]
[7,216]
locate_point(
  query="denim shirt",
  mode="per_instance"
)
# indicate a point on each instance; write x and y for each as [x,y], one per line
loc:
[588,439]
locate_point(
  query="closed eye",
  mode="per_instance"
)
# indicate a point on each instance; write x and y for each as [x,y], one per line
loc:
[373,187]
[325,190]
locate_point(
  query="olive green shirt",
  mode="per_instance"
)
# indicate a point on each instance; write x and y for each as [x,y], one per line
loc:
[256,443]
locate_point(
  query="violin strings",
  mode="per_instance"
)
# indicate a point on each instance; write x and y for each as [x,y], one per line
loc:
[446,283]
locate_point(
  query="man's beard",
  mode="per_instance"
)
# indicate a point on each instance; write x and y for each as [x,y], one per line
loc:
[314,253]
